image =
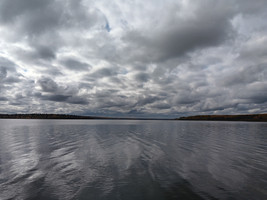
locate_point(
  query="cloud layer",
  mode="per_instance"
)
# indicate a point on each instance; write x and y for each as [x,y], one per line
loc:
[136,58]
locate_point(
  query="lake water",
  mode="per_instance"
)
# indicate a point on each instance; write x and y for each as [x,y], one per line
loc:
[123,160]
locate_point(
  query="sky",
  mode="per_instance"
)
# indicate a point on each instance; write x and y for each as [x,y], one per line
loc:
[134,58]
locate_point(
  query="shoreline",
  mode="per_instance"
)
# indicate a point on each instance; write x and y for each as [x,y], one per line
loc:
[72,117]
[245,117]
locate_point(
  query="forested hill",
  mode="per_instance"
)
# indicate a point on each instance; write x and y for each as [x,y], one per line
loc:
[252,117]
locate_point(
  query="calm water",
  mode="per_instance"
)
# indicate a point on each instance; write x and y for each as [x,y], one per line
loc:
[68,159]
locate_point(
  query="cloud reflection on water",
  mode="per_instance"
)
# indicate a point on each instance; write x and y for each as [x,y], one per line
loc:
[46,159]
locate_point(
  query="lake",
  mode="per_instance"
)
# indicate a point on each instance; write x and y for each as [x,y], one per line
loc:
[131,159]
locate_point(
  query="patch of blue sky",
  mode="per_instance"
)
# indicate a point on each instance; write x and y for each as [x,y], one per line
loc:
[107,27]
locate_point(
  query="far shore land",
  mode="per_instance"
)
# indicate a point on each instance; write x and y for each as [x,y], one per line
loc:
[246,117]
[66,116]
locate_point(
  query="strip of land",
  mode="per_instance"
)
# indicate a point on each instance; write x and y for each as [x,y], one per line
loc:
[47,116]
[65,116]
[252,117]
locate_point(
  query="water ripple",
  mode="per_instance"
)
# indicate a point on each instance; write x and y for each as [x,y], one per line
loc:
[61,159]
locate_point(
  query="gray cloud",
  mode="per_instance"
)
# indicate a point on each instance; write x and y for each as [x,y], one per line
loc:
[248,7]
[7,65]
[8,73]
[45,53]
[51,91]
[37,17]
[3,99]
[210,25]
[145,100]
[12,79]
[245,75]
[75,65]
[56,97]
[100,73]
[10,10]
[48,85]
[3,73]
[168,59]
[161,106]
[142,77]
[255,93]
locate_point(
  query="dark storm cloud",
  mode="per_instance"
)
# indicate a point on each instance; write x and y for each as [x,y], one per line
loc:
[7,65]
[254,93]
[48,85]
[3,73]
[3,99]
[44,26]
[11,83]
[142,77]
[53,92]
[8,73]
[75,65]
[115,103]
[30,18]
[251,7]
[51,70]
[12,79]
[58,98]
[37,16]
[210,25]
[161,106]
[78,100]
[145,100]
[44,52]
[104,93]
[245,75]
[10,10]
[111,100]
[183,98]
[254,52]
[101,73]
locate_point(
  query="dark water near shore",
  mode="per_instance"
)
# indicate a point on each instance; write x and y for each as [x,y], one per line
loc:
[68,159]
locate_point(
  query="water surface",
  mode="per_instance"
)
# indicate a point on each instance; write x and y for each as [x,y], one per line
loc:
[108,159]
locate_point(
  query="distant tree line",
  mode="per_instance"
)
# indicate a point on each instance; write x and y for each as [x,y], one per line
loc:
[64,116]
[46,116]
[252,117]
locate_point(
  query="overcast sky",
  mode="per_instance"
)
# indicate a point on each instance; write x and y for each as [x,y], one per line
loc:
[160,58]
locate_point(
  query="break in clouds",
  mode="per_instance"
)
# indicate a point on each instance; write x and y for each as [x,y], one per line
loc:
[133,58]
